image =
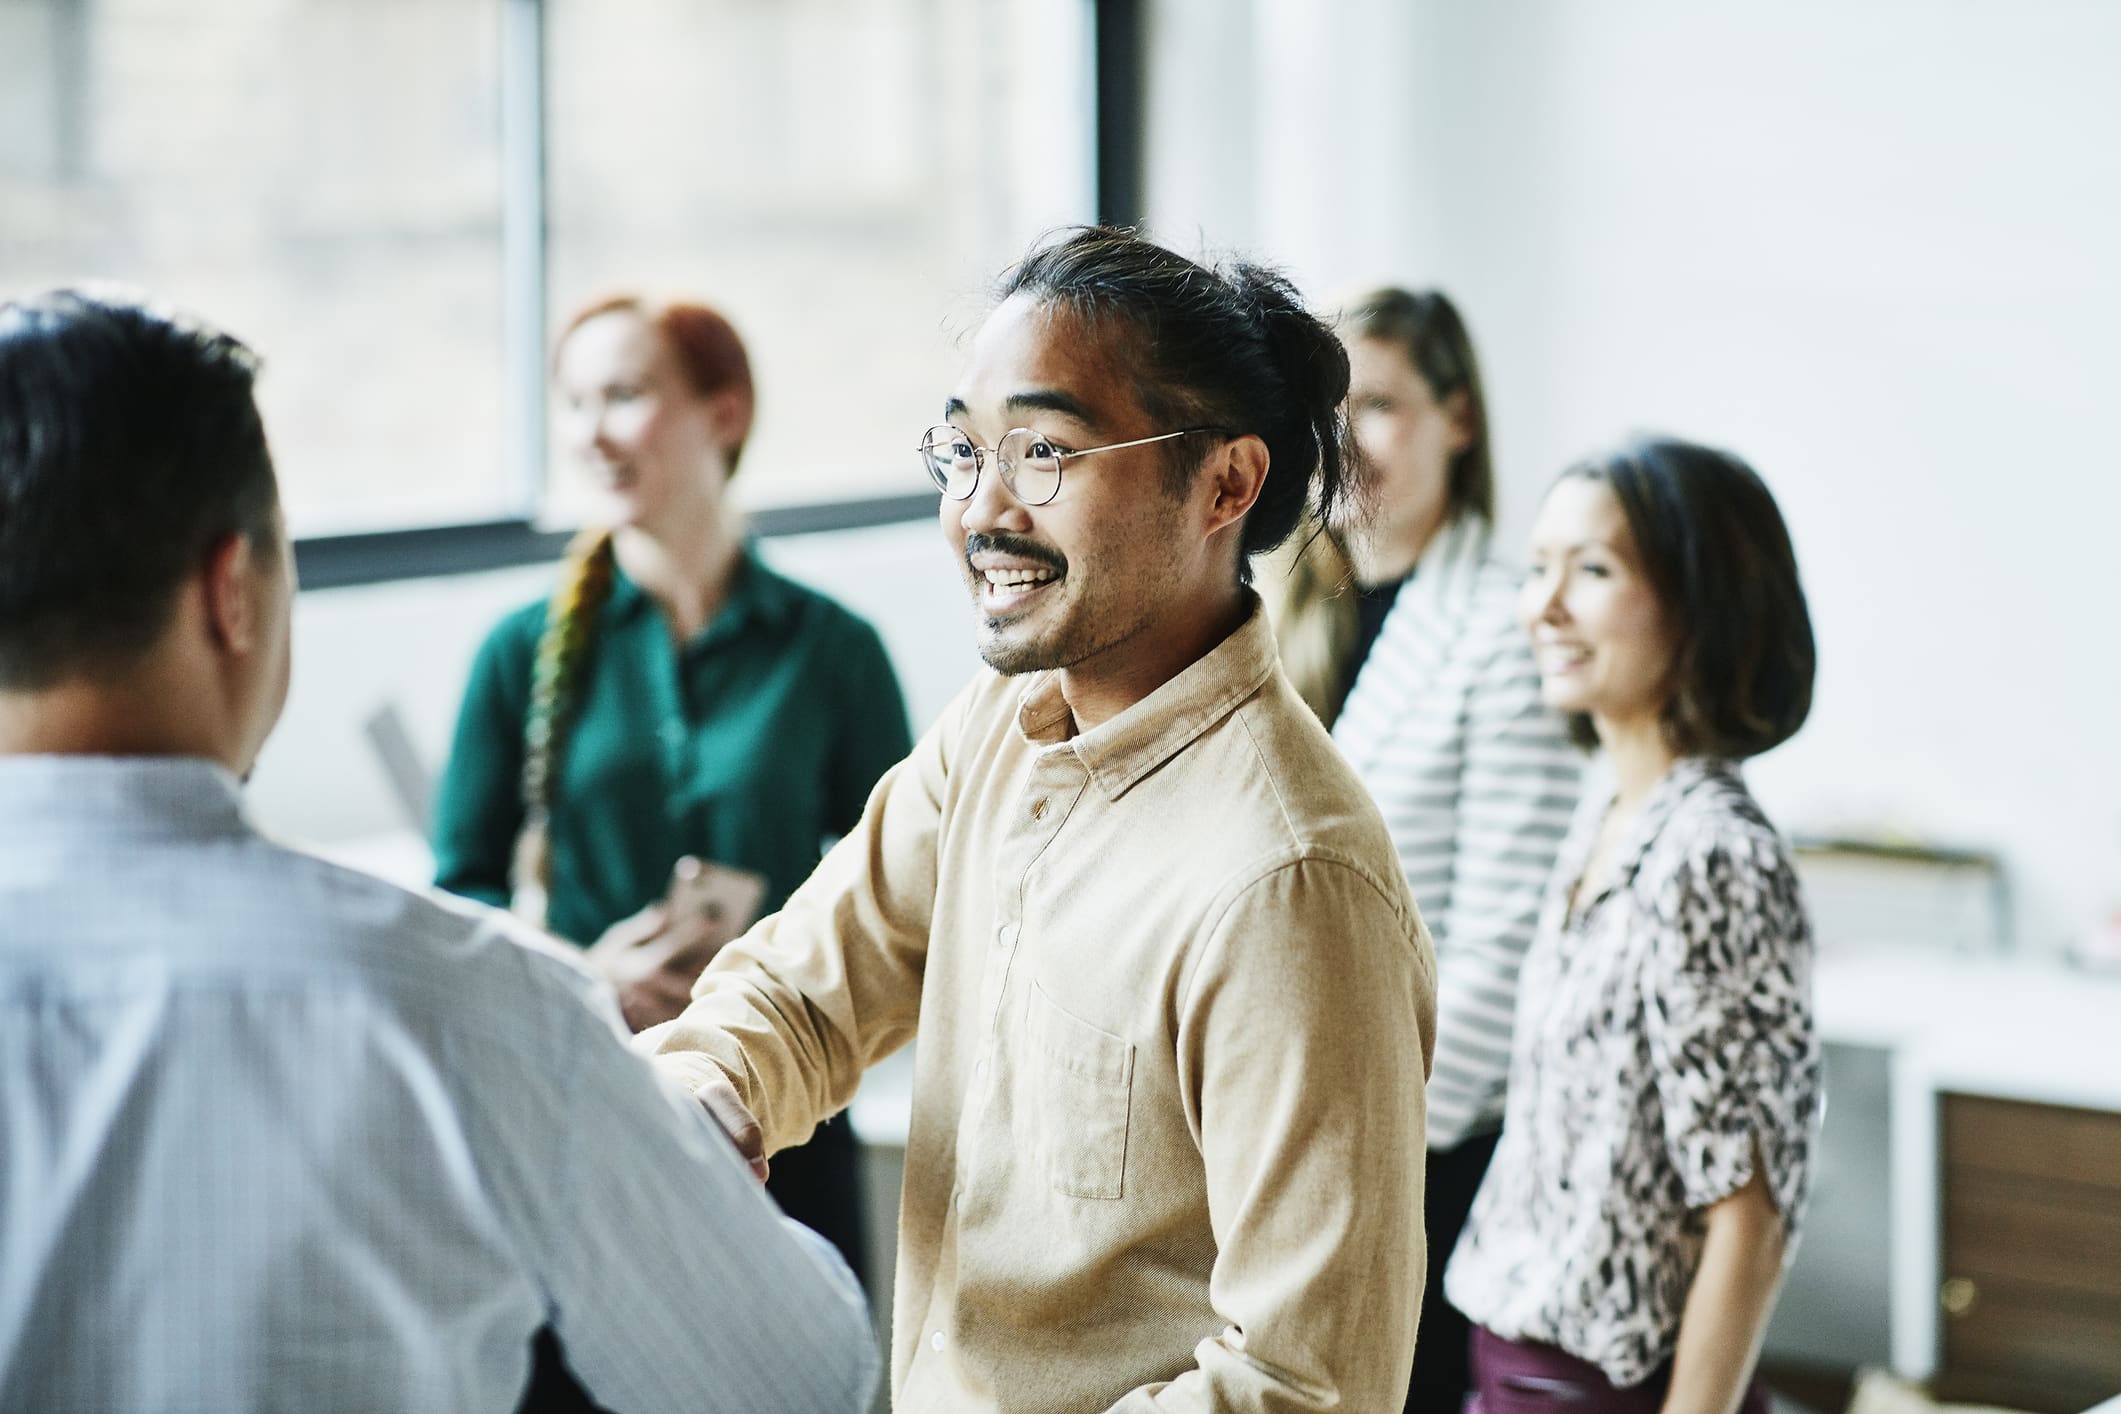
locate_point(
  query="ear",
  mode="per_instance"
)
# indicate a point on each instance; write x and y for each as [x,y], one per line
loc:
[729,417]
[1237,473]
[1458,408]
[232,600]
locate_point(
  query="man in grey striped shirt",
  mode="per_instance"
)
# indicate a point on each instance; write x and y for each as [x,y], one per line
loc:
[274,1135]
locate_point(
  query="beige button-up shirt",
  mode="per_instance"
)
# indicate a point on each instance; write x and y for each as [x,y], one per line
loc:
[1175,1009]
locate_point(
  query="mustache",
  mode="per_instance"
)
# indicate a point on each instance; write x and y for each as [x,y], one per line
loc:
[1017,546]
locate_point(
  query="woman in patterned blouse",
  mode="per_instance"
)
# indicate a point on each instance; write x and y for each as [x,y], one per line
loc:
[1625,1250]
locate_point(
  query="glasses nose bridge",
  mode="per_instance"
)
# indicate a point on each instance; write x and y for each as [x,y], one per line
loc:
[989,497]
[1006,458]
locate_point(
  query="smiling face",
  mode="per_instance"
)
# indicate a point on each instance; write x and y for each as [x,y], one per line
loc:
[657,449]
[1602,637]
[1407,434]
[1099,580]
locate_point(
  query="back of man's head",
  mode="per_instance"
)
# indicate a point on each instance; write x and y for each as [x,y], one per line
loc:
[130,445]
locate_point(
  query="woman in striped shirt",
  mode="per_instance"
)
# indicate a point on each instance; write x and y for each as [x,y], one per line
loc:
[1403,636]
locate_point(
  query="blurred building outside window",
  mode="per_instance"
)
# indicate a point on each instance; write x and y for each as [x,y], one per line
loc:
[340,183]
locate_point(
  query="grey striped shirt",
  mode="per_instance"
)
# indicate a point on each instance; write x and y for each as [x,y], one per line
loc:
[1477,781]
[275,1135]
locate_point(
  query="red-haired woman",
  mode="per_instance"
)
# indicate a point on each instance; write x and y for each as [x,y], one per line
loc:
[674,700]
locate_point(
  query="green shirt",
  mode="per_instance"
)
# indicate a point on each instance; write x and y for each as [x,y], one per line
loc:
[751,745]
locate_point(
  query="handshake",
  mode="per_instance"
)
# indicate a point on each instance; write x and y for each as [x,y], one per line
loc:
[653,958]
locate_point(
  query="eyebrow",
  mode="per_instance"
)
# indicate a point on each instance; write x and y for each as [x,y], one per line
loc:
[1033,400]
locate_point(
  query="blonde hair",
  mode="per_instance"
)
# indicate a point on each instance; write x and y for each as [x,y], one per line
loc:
[586,577]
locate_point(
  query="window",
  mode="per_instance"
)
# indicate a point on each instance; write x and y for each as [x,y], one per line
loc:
[842,178]
[339,182]
[321,178]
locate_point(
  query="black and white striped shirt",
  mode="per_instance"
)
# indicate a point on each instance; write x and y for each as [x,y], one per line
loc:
[1477,781]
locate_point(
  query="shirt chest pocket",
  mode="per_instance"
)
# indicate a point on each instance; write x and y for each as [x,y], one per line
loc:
[1081,1084]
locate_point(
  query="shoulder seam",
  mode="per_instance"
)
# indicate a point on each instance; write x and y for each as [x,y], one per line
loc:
[1259,755]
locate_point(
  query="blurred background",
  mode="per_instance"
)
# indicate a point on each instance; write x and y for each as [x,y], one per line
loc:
[1869,245]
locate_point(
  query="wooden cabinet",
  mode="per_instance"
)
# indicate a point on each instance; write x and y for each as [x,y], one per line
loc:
[2031,1254]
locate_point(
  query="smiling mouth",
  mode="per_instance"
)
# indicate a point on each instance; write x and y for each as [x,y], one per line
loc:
[1004,591]
[1557,658]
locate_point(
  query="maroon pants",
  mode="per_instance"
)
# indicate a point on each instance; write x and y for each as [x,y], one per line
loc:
[1519,1377]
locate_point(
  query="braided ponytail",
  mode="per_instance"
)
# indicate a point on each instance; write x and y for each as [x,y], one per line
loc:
[586,578]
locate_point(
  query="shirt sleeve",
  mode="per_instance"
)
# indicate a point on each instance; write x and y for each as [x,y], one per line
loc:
[794,1012]
[1295,1066]
[1727,1016]
[673,1281]
[478,810]
[872,735]
[1516,791]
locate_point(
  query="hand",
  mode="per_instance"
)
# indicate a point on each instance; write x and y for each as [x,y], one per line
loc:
[723,1105]
[652,959]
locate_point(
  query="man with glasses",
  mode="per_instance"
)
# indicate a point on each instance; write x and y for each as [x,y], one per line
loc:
[1173,1001]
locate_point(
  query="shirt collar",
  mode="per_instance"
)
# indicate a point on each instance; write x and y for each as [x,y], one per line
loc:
[1120,752]
[1686,774]
[756,594]
[141,795]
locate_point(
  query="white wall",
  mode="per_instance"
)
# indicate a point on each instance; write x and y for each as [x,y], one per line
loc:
[412,643]
[1874,248]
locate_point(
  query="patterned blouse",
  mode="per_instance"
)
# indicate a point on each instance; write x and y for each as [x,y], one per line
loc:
[1661,1031]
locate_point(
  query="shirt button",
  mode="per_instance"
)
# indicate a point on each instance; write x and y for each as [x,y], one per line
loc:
[1007,936]
[935,1342]
[1038,808]
[979,1068]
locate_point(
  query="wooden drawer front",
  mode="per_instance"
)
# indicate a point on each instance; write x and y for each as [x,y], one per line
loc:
[2053,1142]
[2028,1348]
[2058,1235]
[2032,1254]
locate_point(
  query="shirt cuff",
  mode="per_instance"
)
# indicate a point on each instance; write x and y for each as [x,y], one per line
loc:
[690,1069]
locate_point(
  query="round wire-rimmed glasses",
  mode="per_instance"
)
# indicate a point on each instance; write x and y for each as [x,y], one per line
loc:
[1029,463]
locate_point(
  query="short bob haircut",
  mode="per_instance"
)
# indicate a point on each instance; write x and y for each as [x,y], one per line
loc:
[1717,553]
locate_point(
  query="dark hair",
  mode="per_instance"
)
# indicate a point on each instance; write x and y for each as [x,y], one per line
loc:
[1426,327]
[1714,548]
[1230,347]
[708,352]
[130,445]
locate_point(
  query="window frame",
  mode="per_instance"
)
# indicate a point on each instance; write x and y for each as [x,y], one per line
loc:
[337,561]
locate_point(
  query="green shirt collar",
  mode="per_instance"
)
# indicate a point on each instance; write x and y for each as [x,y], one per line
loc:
[756,595]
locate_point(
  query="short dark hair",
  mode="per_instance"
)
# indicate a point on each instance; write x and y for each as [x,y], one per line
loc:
[1426,327]
[1716,551]
[130,445]
[1230,347]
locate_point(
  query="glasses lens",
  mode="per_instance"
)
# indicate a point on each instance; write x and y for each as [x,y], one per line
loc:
[952,464]
[1031,466]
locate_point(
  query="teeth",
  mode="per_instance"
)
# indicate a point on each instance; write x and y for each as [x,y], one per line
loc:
[1017,579]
